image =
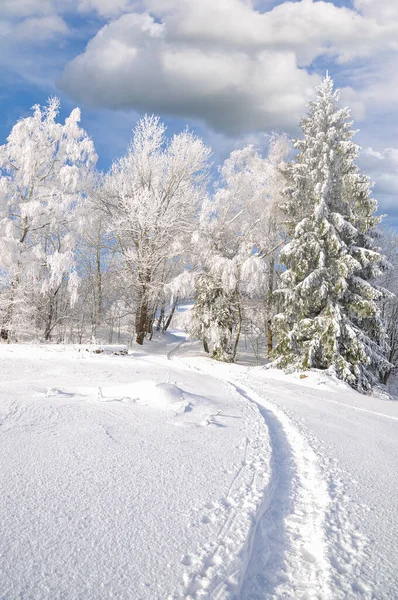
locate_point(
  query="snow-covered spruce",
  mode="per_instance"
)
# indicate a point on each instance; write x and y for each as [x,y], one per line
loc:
[329,316]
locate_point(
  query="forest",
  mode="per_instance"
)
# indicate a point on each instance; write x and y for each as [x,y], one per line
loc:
[285,251]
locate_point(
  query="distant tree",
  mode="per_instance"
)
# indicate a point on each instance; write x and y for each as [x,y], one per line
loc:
[388,240]
[152,196]
[330,316]
[46,168]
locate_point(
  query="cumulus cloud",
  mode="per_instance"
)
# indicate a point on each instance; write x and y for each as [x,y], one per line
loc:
[29,21]
[223,62]
[132,64]
[307,28]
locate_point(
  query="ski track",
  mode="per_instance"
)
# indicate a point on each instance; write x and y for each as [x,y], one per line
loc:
[287,557]
[285,551]
[348,549]
[214,570]
[321,552]
[301,545]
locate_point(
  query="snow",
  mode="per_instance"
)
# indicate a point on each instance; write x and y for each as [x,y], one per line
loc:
[160,474]
[148,494]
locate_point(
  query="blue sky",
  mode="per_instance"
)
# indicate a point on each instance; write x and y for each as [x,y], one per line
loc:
[230,69]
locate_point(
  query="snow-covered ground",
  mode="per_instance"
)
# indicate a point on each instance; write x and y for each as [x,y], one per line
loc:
[163,475]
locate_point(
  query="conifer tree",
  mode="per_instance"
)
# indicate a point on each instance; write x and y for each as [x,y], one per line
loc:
[330,317]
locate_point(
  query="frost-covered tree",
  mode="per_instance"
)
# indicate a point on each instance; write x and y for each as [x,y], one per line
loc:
[235,247]
[214,317]
[388,241]
[330,316]
[45,170]
[152,195]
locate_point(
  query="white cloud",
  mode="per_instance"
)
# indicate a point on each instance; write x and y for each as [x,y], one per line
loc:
[26,8]
[40,29]
[382,168]
[107,8]
[224,62]
[132,64]
[308,28]
[381,10]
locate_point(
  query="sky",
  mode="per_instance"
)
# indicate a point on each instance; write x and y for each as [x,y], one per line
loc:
[232,70]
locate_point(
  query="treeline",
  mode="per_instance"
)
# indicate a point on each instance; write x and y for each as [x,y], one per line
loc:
[282,250]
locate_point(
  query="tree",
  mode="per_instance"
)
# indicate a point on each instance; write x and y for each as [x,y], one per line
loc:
[46,168]
[152,196]
[235,247]
[389,302]
[330,316]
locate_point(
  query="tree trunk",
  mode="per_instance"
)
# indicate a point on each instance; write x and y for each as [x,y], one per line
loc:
[141,321]
[269,306]
[269,338]
[99,281]
[151,320]
[49,321]
[167,324]
[161,318]
[237,333]
[49,324]
[385,377]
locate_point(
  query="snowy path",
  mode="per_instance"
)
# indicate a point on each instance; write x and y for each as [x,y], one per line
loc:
[356,441]
[288,555]
[329,524]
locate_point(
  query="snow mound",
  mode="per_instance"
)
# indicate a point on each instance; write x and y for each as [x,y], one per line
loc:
[58,392]
[149,393]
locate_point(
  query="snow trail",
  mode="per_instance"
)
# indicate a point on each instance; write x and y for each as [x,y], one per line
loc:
[303,544]
[288,550]
[347,550]
[214,569]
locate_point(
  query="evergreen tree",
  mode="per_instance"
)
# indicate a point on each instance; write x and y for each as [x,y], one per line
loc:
[330,317]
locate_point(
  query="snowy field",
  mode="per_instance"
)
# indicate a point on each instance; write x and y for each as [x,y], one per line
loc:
[163,475]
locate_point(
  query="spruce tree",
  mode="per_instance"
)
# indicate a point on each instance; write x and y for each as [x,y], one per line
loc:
[330,317]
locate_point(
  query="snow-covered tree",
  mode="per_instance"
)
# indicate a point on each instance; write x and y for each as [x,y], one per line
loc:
[152,196]
[330,316]
[235,247]
[388,240]
[45,168]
